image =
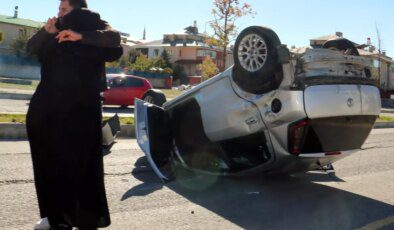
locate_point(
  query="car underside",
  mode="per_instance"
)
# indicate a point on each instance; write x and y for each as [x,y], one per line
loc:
[273,111]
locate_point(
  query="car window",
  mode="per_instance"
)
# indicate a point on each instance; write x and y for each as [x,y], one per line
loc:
[134,82]
[117,83]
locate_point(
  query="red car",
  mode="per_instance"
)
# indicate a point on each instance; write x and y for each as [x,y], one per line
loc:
[123,89]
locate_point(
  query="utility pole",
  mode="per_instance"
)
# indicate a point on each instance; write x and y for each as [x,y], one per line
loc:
[379,54]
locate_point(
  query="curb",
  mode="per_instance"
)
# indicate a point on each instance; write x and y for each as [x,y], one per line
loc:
[384,125]
[18,131]
[12,131]
[387,111]
[15,96]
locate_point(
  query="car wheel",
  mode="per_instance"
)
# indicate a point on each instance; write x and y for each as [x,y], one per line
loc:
[256,67]
[155,97]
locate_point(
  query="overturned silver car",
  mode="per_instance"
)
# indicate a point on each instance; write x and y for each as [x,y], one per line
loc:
[273,111]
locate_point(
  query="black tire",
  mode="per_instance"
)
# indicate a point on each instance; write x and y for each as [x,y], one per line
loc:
[341,44]
[263,78]
[155,97]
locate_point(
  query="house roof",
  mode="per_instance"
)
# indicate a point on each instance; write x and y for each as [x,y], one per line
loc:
[161,43]
[156,43]
[20,21]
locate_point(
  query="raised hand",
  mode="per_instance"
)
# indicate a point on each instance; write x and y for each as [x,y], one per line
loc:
[50,25]
[69,35]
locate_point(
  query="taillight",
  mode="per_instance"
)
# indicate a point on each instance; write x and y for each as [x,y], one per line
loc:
[297,135]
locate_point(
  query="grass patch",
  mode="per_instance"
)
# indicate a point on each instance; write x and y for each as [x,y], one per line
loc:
[171,93]
[385,119]
[13,118]
[33,85]
[123,120]
[21,118]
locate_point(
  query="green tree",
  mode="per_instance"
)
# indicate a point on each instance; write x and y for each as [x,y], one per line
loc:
[18,45]
[208,68]
[158,62]
[133,54]
[120,63]
[179,73]
[166,58]
[226,13]
[142,63]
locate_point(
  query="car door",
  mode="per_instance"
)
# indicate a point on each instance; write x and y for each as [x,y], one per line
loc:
[115,94]
[134,89]
[153,133]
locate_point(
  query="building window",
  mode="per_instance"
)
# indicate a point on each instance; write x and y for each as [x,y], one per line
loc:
[156,52]
[376,63]
[170,52]
[205,53]
[143,51]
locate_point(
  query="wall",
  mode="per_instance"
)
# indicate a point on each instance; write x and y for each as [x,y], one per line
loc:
[391,73]
[10,32]
[188,53]
[18,67]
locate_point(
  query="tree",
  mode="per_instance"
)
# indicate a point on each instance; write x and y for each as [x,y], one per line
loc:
[133,54]
[123,62]
[18,45]
[179,73]
[208,68]
[166,58]
[225,14]
[142,63]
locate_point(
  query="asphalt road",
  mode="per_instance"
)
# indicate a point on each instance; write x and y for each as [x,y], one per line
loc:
[358,196]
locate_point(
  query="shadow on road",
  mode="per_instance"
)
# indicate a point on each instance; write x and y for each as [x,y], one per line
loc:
[143,172]
[261,202]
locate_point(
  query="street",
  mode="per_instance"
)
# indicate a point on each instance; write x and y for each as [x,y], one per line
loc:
[358,196]
[21,106]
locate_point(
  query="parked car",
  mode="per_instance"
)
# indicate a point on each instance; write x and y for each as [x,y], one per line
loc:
[124,89]
[273,111]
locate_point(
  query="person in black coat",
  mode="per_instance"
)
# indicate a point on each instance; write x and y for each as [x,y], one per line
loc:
[64,117]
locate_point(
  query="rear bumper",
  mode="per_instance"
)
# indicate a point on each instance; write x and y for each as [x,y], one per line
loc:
[324,137]
[337,154]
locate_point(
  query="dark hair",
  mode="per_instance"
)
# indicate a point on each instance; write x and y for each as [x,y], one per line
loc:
[77,3]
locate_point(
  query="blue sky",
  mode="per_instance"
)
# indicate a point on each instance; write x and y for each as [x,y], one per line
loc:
[294,21]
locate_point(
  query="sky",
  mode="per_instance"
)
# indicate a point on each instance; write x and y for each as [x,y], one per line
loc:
[295,22]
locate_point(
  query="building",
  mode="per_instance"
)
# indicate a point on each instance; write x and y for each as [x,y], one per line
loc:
[11,27]
[188,49]
[127,43]
[383,69]
[12,66]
